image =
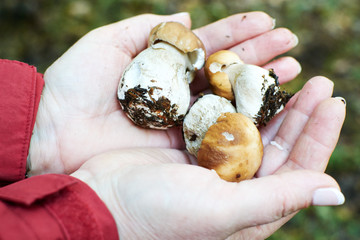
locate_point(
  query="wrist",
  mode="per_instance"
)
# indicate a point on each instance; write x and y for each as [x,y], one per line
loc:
[107,193]
[43,151]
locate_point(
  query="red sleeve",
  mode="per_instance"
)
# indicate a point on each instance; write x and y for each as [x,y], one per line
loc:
[47,206]
[53,207]
[20,91]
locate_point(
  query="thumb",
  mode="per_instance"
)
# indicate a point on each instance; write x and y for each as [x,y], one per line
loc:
[131,35]
[268,199]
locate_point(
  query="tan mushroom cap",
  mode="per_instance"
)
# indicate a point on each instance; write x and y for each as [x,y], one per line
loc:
[232,147]
[219,80]
[176,34]
[182,38]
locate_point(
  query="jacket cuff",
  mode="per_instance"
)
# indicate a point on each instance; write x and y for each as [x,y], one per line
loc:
[66,206]
[20,93]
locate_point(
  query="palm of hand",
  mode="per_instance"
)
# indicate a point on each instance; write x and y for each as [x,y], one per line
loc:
[153,187]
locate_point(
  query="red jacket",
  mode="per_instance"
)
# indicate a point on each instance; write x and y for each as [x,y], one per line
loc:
[50,206]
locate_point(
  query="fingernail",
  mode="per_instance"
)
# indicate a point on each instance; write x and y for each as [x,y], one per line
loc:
[327,197]
[180,14]
[341,99]
[299,69]
[273,23]
[295,40]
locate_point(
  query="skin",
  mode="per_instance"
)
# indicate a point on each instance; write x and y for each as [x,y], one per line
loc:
[144,176]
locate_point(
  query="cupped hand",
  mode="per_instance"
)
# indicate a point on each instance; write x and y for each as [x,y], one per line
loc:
[155,194]
[79,115]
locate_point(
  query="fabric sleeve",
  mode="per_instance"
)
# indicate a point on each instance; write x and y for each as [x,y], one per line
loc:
[53,206]
[20,91]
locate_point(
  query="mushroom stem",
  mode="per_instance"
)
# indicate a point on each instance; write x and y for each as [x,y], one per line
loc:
[154,90]
[257,92]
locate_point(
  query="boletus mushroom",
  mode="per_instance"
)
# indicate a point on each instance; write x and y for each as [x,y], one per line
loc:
[223,140]
[154,89]
[256,90]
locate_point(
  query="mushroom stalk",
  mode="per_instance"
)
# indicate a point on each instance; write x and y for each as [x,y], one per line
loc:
[154,90]
[258,95]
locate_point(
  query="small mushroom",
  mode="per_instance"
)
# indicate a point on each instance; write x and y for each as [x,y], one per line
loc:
[218,79]
[256,90]
[154,89]
[223,140]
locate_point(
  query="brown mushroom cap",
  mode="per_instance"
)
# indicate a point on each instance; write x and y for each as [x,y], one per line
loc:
[182,38]
[232,147]
[219,80]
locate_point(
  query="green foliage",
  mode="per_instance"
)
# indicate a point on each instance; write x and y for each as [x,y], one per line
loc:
[39,31]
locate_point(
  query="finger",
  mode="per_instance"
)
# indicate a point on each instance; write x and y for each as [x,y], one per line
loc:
[131,35]
[232,30]
[277,152]
[261,231]
[286,68]
[265,47]
[265,200]
[319,137]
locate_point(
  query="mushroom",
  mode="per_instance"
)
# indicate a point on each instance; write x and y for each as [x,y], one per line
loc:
[256,90]
[219,80]
[154,88]
[221,139]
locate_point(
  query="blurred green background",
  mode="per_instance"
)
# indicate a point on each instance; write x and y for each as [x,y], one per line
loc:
[39,31]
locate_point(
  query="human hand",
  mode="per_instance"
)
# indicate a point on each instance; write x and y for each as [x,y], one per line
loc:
[79,115]
[156,194]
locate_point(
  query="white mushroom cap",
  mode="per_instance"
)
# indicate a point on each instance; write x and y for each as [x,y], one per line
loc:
[154,90]
[204,113]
